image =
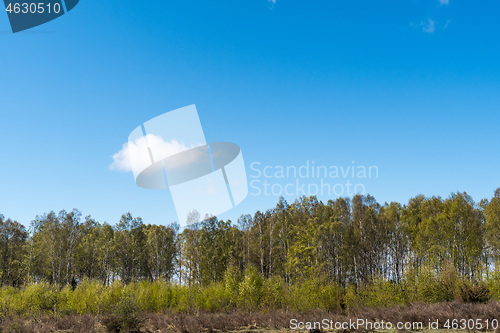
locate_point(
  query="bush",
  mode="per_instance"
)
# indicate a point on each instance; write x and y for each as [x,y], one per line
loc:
[110,296]
[213,298]
[314,293]
[40,298]
[476,292]
[155,297]
[494,285]
[87,297]
[250,289]
[245,292]
[126,315]
[232,280]
[433,288]
[382,294]
[11,301]
[274,290]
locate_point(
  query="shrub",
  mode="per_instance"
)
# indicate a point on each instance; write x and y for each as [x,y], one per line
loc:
[382,294]
[126,315]
[155,297]
[11,301]
[110,296]
[183,298]
[494,285]
[433,288]
[40,298]
[476,292]
[87,297]
[274,290]
[250,289]
[212,298]
[232,280]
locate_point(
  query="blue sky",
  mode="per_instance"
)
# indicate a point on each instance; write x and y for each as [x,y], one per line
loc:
[409,86]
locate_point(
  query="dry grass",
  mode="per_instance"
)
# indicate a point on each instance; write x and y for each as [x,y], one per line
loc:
[206,322]
[86,323]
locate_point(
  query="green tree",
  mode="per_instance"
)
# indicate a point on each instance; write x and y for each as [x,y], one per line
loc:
[13,238]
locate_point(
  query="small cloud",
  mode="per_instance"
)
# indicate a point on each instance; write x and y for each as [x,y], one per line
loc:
[444,2]
[428,26]
[122,160]
[274,1]
[447,24]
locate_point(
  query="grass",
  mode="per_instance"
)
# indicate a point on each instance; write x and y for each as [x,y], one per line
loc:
[244,322]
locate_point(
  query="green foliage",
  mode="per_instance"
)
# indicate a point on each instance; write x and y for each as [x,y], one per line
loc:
[274,290]
[492,225]
[156,297]
[432,287]
[232,280]
[126,313]
[306,255]
[11,301]
[40,298]
[381,294]
[494,284]
[86,298]
[213,298]
[474,292]
[250,289]
[314,293]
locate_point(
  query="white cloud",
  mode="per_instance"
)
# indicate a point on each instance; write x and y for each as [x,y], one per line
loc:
[429,26]
[136,155]
[444,2]
[274,1]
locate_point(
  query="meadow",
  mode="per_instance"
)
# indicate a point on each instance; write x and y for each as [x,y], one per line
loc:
[341,259]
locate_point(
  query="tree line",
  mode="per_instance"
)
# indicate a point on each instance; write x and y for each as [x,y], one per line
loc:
[347,242]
